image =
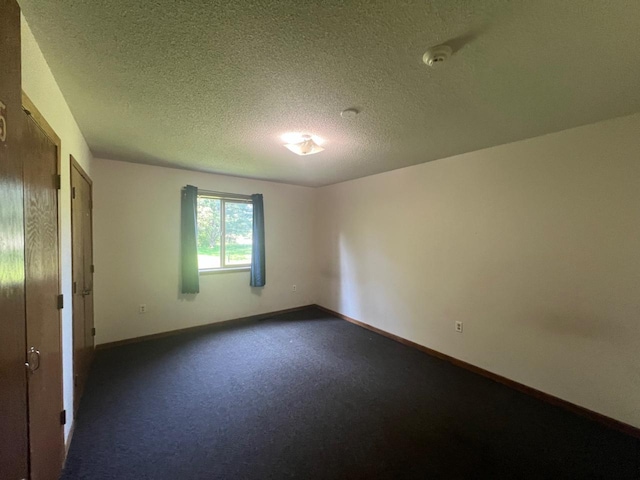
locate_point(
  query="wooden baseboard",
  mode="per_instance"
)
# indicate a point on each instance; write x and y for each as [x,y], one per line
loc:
[597,417]
[207,326]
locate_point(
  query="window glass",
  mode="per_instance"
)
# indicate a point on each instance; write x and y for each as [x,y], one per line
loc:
[224,233]
[238,221]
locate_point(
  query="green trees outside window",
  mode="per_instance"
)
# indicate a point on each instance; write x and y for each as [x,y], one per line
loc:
[224,232]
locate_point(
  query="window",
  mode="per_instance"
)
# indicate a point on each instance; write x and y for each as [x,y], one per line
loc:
[225,225]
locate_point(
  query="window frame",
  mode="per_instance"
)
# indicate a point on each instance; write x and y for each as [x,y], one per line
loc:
[224,198]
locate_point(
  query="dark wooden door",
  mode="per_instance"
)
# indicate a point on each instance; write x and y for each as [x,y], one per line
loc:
[42,286]
[82,253]
[13,387]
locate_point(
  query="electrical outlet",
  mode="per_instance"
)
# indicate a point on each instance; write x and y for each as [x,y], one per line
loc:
[459,327]
[294,288]
[142,308]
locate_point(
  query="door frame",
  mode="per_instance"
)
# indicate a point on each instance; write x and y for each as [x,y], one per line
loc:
[32,111]
[73,163]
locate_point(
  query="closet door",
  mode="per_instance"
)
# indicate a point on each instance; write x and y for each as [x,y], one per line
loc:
[82,266]
[13,394]
[42,288]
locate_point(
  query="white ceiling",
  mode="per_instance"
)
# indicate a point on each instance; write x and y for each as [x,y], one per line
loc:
[211,85]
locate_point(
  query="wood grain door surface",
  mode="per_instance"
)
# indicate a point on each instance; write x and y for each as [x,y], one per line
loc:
[82,253]
[42,287]
[13,377]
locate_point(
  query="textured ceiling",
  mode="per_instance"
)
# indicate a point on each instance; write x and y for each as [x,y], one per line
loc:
[211,85]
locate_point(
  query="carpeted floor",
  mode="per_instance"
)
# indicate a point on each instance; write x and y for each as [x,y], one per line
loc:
[308,396]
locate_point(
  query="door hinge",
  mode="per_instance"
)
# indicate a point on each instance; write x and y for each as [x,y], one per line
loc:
[63,417]
[93,269]
[75,287]
[58,182]
[60,301]
[93,332]
[73,192]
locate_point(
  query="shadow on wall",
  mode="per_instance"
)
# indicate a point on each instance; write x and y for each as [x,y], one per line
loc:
[578,324]
[349,273]
[257,291]
[186,297]
[328,270]
[368,270]
[352,276]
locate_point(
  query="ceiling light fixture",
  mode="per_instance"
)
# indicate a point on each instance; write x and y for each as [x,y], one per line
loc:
[303,144]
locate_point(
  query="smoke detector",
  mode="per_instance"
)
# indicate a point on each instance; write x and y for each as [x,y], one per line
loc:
[437,55]
[349,113]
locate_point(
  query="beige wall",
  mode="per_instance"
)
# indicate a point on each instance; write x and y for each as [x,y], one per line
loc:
[137,247]
[534,245]
[38,83]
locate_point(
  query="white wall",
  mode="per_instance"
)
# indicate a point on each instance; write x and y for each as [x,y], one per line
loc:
[38,83]
[534,245]
[137,252]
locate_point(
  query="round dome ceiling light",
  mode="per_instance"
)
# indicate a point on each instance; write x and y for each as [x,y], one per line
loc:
[437,55]
[349,113]
[302,144]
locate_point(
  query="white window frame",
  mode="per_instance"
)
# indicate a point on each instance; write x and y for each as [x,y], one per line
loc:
[224,198]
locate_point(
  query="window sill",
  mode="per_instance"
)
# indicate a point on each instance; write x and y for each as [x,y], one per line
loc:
[224,270]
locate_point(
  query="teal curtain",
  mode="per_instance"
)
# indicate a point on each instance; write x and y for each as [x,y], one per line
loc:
[189,240]
[258,273]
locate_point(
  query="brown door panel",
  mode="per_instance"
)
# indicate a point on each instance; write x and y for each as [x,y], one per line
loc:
[13,393]
[87,239]
[42,286]
[82,254]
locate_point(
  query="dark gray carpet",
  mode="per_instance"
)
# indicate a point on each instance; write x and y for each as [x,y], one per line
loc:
[308,396]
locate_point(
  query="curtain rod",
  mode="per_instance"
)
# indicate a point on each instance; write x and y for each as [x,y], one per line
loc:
[223,194]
